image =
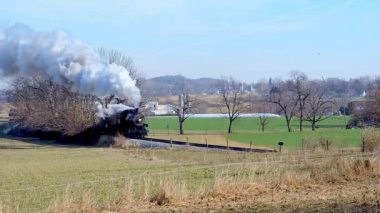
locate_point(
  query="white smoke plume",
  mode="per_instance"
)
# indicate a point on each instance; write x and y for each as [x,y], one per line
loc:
[24,51]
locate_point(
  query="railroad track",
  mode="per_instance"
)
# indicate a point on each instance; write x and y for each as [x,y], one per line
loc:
[209,146]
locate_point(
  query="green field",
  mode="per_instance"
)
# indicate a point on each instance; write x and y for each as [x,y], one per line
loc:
[248,129]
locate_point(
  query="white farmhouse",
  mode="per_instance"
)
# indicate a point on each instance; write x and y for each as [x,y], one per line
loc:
[154,108]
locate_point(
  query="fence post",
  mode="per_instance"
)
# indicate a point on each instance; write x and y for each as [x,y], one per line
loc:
[205,151]
[250,146]
[171,143]
[168,128]
[327,145]
[363,144]
[228,153]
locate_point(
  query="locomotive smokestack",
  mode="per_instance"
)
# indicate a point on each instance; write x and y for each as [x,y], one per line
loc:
[68,61]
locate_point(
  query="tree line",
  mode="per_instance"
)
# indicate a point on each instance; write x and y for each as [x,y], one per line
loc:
[298,97]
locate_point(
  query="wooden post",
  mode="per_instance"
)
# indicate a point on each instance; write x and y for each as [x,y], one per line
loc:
[206,150]
[363,144]
[250,146]
[228,150]
[327,145]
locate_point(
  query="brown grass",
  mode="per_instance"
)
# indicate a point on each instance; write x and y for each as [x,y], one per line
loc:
[118,141]
[371,138]
[341,183]
[86,203]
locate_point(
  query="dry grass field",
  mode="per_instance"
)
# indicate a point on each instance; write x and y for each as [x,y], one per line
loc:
[45,177]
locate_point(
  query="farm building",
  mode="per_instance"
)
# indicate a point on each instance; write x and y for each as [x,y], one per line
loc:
[154,108]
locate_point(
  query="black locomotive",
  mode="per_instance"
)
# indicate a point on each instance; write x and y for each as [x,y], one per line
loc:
[129,123]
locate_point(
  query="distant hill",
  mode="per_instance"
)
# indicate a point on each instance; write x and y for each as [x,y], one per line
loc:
[170,85]
[169,79]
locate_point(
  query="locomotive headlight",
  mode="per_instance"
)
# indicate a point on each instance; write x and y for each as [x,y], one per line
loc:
[138,120]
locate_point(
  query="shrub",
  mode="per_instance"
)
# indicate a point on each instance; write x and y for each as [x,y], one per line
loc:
[42,105]
[317,142]
[371,137]
[105,141]
[118,141]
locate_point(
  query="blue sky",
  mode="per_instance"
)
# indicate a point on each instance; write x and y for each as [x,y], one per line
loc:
[250,40]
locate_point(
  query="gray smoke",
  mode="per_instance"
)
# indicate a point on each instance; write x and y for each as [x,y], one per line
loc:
[110,110]
[25,52]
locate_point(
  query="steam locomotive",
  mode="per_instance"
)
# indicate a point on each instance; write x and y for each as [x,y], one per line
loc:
[129,123]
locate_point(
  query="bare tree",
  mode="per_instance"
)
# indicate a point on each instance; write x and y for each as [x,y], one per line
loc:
[298,84]
[375,95]
[109,56]
[42,105]
[186,105]
[341,104]
[232,98]
[263,108]
[284,99]
[317,105]
[371,112]
[262,87]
